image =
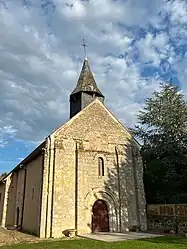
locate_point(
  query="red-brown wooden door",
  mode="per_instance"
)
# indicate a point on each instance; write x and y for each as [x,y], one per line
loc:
[100,217]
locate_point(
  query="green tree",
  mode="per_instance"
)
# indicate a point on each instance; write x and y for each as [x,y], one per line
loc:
[162,128]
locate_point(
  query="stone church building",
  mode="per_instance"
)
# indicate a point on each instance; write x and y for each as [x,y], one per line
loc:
[86,176]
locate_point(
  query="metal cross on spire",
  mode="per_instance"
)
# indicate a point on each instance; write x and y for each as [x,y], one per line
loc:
[84,45]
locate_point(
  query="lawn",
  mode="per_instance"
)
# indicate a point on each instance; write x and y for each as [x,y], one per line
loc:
[155,243]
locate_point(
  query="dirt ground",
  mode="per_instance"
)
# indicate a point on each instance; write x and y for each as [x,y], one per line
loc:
[9,237]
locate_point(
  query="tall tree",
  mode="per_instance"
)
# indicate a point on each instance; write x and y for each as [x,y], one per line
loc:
[163,130]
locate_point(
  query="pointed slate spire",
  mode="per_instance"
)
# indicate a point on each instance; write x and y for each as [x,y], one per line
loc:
[85,91]
[86,81]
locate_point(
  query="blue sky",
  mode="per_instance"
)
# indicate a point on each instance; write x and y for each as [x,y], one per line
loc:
[133,45]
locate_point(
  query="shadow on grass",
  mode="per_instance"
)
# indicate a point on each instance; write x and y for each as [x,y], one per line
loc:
[179,240]
[154,243]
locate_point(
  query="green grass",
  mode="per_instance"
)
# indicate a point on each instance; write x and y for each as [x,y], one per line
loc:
[154,243]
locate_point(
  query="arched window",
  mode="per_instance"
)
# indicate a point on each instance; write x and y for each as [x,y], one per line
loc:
[101,166]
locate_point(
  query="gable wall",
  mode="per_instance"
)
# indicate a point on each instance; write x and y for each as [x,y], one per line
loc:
[96,134]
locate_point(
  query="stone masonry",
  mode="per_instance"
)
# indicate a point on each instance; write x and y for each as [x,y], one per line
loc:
[53,190]
[71,175]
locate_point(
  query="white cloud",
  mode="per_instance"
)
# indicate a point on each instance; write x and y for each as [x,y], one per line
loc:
[182,74]
[152,49]
[72,10]
[6,132]
[129,12]
[177,10]
[41,58]
[3,142]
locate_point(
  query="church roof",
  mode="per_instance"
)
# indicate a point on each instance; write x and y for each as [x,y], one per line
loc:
[86,81]
[33,155]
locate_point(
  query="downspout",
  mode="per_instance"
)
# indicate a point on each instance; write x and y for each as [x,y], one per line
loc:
[76,187]
[119,188]
[136,186]
[52,198]
[47,199]
[23,204]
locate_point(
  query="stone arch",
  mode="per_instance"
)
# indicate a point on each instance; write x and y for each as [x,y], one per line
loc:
[111,202]
[97,155]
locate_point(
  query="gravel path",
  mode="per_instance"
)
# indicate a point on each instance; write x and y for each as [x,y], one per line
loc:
[9,237]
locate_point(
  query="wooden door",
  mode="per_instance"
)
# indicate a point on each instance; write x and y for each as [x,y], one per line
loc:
[100,217]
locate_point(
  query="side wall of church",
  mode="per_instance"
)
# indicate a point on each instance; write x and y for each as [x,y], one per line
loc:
[31,215]
[11,199]
[96,137]
[2,196]
[15,198]
[19,197]
[5,200]
[14,208]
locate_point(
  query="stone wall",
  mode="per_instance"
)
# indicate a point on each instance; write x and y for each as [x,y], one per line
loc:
[63,209]
[91,134]
[87,98]
[2,196]
[31,214]
[56,190]
[19,198]
[11,199]
[139,189]
[167,218]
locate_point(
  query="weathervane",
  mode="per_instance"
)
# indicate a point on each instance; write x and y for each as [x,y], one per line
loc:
[84,45]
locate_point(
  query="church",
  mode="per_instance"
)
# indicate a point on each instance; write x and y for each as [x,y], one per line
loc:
[86,176]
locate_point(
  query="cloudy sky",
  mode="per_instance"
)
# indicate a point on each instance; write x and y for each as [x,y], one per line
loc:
[133,45]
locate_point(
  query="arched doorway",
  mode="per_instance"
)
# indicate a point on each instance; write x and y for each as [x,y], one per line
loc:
[100,217]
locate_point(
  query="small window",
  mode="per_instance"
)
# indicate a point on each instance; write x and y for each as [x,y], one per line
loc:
[101,166]
[32,193]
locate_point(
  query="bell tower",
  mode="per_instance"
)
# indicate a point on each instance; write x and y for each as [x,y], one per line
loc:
[85,91]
